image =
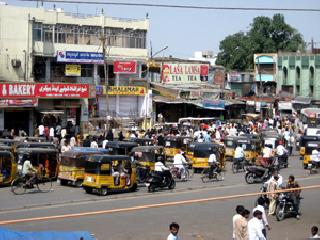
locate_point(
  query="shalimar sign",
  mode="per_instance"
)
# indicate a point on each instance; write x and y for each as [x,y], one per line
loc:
[183,73]
[125,90]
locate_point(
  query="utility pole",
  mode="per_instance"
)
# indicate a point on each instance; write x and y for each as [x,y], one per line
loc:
[105,70]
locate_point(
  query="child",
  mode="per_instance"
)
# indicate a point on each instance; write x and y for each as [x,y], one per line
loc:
[314,232]
[174,229]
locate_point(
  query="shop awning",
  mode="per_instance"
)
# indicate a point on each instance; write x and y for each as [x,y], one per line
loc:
[302,100]
[161,99]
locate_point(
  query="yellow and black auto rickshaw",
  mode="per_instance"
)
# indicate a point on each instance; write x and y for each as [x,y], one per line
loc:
[309,145]
[251,147]
[172,146]
[201,153]
[145,157]
[72,164]
[109,173]
[120,147]
[230,144]
[8,167]
[46,158]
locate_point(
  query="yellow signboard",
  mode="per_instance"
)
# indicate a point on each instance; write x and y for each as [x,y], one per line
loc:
[126,90]
[73,70]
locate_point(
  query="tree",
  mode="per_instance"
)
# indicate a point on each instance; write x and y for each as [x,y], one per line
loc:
[266,35]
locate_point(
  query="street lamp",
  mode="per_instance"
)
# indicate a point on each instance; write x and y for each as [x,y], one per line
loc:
[163,49]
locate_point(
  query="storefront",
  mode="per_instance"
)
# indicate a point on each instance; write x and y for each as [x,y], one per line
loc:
[25,106]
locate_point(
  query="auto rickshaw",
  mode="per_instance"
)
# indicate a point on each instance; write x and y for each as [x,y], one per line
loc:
[251,147]
[270,137]
[109,173]
[8,167]
[145,158]
[72,163]
[47,158]
[230,144]
[201,154]
[309,146]
[120,147]
[172,146]
[303,142]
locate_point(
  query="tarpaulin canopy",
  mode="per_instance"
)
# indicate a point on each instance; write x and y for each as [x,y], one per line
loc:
[9,234]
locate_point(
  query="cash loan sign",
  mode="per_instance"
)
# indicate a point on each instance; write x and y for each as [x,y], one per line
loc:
[182,73]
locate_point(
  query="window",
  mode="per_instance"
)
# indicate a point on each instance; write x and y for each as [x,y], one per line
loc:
[86,70]
[37,31]
[285,75]
[48,33]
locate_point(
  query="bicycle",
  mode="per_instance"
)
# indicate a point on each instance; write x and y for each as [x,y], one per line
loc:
[237,165]
[21,184]
[214,176]
[177,173]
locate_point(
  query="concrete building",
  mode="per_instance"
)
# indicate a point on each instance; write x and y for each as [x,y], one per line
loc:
[299,74]
[44,48]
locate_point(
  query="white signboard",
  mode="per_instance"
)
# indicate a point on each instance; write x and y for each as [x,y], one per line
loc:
[183,73]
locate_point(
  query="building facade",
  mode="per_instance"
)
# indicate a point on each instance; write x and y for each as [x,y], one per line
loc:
[44,48]
[299,74]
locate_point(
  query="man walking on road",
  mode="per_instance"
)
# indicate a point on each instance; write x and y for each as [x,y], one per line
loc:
[241,226]
[255,228]
[239,210]
[264,220]
[272,187]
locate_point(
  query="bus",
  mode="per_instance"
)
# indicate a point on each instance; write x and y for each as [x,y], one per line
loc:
[309,118]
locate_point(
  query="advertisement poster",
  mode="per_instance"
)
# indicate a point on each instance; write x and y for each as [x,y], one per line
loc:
[73,70]
[128,67]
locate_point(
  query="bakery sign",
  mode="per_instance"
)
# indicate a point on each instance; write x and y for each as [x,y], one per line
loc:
[42,90]
[183,73]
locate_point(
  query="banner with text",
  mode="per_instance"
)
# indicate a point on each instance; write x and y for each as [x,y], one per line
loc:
[32,102]
[73,70]
[127,67]
[80,57]
[122,90]
[42,90]
[183,73]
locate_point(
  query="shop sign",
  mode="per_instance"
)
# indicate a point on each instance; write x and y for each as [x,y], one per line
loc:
[42,90]
[80,57]
[127,67]
[183,73]
[121,90]
[214,104]
[33,102]
[73,70]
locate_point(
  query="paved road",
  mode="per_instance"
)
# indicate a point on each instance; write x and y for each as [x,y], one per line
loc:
[208,219]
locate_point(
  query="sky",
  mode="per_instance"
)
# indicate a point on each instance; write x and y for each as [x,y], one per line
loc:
[185,31]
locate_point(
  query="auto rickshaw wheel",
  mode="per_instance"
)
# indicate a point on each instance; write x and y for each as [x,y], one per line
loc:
[78,183]
[103,191]
[63,182]
[88,190]
[134,187]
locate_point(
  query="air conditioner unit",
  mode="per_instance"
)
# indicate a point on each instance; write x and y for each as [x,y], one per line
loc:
[16,63]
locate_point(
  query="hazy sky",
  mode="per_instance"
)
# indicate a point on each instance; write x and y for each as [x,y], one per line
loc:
[189,30]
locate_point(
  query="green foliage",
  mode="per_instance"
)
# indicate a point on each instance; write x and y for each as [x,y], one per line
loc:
[266,35]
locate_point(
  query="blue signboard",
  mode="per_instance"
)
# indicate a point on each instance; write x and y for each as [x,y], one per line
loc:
[213,104]
[80,57]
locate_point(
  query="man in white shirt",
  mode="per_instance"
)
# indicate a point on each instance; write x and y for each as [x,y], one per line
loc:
[179,161]
[281,150]
[174,229]
[239,210]
[162,170]
[239,152]
[29,171]
[255,227]
[264,220]
[41,130]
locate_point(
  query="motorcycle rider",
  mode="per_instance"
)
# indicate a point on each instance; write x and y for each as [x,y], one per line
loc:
[295,194]
[281,153]
[180,162]
[161,169]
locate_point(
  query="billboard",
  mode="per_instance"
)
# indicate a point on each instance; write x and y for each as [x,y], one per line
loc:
[127,67]
[176,73]
[80,57]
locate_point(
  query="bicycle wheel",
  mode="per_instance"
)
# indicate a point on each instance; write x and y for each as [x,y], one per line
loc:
[18,186]
[44,185]
[185,175]
[234,168]
[205,175]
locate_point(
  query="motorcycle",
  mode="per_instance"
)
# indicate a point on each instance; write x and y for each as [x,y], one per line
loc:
[160,180]
[285,207]
[257,174]
[283,161]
